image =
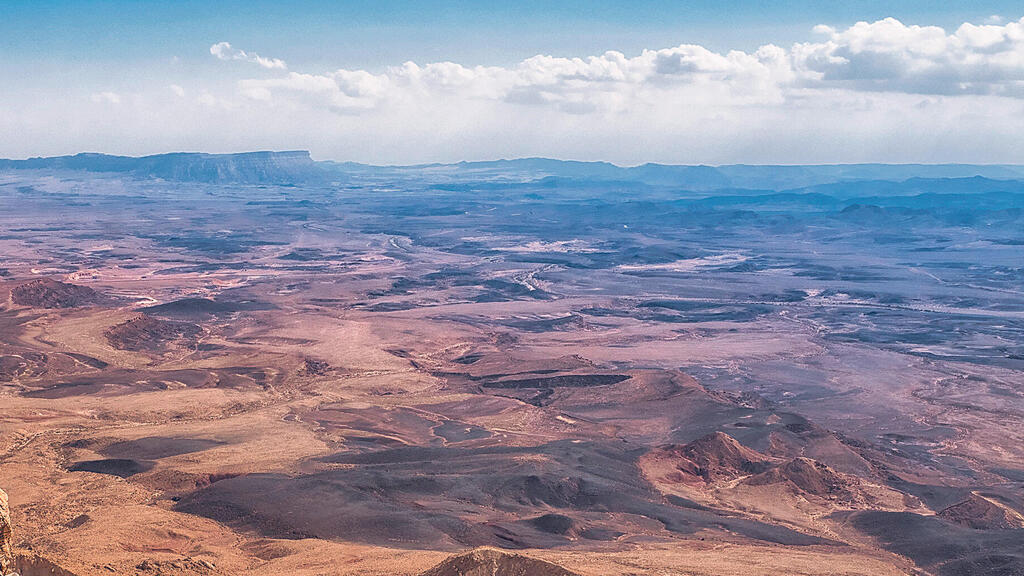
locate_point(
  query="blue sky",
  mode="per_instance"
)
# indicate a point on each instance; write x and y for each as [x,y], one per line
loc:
[377,33]
[140,77]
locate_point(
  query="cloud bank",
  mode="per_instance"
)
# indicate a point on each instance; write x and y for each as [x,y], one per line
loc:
[884,56]
[224,51]
[891,56]
[875,91]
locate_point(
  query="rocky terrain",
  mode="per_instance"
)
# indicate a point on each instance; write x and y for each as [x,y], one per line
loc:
[265,365]
[49,293]
[6,536]
[983,513]
[144,333]
[490,562]
[711,458]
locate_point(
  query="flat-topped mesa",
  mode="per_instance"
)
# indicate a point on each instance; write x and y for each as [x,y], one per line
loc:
[249,167]
[491,562]
[265,167]
[6,537]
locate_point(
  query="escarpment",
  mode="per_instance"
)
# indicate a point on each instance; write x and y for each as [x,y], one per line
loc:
[6,536]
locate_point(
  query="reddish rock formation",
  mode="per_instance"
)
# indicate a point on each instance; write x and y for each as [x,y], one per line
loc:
[6,536]
[714,457]
[490,562]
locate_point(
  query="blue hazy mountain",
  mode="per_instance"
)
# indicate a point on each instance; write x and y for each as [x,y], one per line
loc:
[297,167]
[249,167]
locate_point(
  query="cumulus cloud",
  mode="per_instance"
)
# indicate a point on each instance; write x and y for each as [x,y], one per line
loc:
[611,81]
[224,51]
[177,90]
[891,56]
[875,91]
[883,56]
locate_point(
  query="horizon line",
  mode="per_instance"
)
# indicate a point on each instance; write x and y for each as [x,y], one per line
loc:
[502,159]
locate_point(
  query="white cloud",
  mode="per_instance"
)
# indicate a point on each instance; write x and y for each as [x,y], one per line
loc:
[343,91]
[106,97]
[890,56]
[609,82]
[884,56]
[224,51]
[882,91]
[178,90]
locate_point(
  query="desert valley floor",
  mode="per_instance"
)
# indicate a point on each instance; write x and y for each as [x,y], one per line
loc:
[368,377]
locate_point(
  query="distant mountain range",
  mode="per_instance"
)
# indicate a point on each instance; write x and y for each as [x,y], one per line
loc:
[247,168]
[297,167]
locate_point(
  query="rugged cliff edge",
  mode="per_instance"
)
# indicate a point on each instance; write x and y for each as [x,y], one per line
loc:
[6,536]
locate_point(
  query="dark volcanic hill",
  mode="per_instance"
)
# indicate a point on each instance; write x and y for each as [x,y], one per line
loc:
[201,308]
[714,457]
[806,475]
[145,333]
[982,513]
[48,293]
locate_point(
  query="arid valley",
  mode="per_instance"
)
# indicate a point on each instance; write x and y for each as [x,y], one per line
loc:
[260,364]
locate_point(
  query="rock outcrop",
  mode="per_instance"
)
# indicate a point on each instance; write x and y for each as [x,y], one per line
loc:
[981,513]
[6,536]
[147,334]
[710,458]
[806,475]
[556,524]
[49,293]
[35,565]
[491,562]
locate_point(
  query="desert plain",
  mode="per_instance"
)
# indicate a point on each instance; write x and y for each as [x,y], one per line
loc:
[375,372]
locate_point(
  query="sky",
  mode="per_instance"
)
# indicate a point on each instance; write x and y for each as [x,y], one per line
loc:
[390,82]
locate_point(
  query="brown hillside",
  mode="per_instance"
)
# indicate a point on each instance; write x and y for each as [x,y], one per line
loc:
[710,458]
[981,513]
[148,334]
[808,476]
[490,562]
[48,293]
